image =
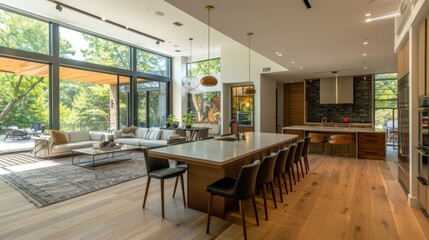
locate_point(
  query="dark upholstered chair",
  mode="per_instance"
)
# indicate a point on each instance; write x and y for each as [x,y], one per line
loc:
[239,189]
[305,151]
[289,164]
[298,158]
[279,169]
[266,177]
[160,169]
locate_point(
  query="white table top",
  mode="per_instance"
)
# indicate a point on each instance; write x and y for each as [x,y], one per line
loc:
[333,129]
[222,152]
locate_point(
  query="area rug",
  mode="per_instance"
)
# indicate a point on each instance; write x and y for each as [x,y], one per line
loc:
[45,182]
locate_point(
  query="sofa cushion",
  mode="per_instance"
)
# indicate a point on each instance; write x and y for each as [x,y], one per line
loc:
[68,147]
[131,129]
[153,134]
[166,133]
[142,133]
[79,136]
[152,143]
[128,141]
[59,137]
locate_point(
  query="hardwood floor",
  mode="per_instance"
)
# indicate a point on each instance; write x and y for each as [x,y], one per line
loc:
[341,198]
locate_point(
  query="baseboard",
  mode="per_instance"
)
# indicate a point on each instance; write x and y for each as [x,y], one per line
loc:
[413,202]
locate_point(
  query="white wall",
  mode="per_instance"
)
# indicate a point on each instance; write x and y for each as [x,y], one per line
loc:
[235,69]
[179,104]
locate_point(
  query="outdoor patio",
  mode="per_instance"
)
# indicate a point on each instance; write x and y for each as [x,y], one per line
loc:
[15,145]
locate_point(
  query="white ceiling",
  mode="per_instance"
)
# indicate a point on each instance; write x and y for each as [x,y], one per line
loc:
[328,37]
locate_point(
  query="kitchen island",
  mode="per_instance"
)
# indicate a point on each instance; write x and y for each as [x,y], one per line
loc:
[370,143]
[213,159]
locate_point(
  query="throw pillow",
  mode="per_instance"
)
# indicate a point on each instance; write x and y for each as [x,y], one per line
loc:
[142,133]
[59,137]
[128,135]
[153,134]
[133,129]
[125,130]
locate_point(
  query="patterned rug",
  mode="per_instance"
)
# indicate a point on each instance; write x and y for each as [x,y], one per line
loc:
[45,182]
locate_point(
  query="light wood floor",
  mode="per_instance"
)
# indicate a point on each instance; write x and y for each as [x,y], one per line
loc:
[341,198]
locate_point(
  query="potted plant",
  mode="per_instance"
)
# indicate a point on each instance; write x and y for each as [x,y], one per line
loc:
[172,121]
[188,119]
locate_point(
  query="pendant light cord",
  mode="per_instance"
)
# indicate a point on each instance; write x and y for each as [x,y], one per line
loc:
[208,31]
[190,56]
[249,34]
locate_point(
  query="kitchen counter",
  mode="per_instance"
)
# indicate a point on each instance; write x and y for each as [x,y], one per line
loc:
[333,129]
[370,143]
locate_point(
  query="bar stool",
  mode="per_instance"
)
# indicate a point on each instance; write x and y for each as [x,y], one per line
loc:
[160,169]
[238,189]
[305,151]
[341,139]
[318,138]
[289,164]
[280,168]
[266,177]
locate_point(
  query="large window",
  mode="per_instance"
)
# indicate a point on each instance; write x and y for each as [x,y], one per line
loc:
[23,33]
[152,103]
[386,103]
[84,47]
[201,68]
[152,63]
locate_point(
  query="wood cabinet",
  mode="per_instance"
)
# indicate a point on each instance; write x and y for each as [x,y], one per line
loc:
[293,104]
[403,61]
[300,133]
[421,60]
[372,145]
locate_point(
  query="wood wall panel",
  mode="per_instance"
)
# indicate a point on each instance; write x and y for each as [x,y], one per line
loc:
[293,104]
[421,61]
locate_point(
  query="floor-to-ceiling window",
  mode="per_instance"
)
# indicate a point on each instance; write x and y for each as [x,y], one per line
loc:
[152,103]
[386,104]
[88,84]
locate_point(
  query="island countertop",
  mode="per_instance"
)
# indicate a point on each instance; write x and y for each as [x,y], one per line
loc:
[333,129]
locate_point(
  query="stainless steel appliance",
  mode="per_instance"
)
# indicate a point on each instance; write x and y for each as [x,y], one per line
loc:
[245,118]
[403,132]
[423,149]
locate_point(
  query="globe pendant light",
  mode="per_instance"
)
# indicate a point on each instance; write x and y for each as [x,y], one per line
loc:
[190,83]
[208,80]
[249,90]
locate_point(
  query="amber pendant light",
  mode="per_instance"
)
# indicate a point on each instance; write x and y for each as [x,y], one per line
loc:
[208,81]
[190,82]
[249,90]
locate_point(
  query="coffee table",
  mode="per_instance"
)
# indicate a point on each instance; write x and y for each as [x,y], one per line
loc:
[110,155]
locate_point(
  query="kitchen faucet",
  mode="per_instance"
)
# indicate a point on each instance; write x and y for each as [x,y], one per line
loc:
[238,127]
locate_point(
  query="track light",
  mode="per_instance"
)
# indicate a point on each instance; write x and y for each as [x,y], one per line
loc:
[157,42]
[58,7]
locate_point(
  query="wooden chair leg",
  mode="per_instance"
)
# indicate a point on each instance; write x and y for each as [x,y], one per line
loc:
[280,189]
[175,187]
[274,195]
[162,197]
[290,179]
[264,195]
[284,181]
[302,169]
[183,190]
[209,210]
[243,219]
[293,175]
[255,210]
[297,171]
[146,192]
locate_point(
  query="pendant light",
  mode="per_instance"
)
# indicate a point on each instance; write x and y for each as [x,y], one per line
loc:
[208,80]
[249,90]
[190,82]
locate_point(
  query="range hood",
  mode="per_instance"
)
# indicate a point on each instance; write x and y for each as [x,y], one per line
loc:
[336,90]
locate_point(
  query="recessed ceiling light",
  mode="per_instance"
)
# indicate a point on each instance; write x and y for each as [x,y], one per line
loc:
[293,62]
[280,54]
[365,43]
[364,54]
[368,15]
[365,68]
[103,19]
[277,53]
[301,67]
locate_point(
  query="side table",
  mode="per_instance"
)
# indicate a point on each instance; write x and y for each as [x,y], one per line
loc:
[39,144]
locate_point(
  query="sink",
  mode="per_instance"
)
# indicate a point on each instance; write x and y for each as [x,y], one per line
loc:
[229,139]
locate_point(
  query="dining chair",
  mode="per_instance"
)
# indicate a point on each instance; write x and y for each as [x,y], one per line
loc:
[305,151]
[160,169]
[280,168]
[298,158]
[341,139]
[266,177]
[239,189]
[318,138]
[289,164]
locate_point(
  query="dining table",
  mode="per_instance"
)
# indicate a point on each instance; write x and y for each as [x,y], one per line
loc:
[213,159]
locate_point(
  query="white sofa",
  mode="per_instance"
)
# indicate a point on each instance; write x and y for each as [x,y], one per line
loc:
[47,147]
[148,137]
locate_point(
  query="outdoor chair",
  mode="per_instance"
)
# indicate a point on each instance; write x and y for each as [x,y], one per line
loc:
[14,132]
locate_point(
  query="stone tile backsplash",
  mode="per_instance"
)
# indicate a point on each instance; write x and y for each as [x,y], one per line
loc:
[358,112]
